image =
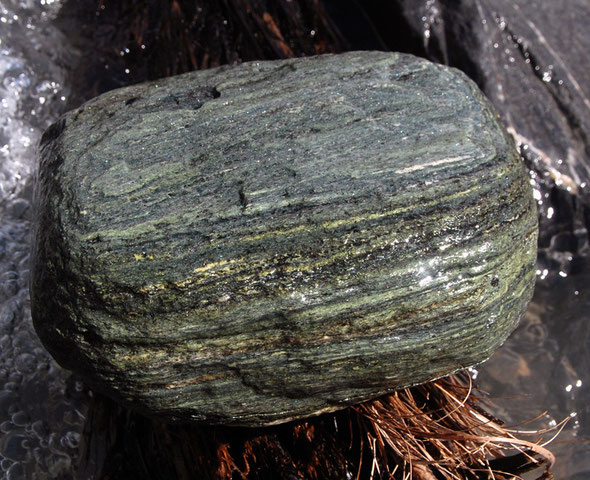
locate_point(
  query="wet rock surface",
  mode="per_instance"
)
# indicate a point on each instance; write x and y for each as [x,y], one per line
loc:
[516,49]
[191,262]
[529,58]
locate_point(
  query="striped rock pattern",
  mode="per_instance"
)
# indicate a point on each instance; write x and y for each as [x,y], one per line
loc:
[257,243]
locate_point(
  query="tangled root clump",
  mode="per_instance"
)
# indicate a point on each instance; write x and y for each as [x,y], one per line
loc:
[438,430]
[435,431]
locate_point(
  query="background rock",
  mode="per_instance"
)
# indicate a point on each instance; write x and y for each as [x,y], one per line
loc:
[529,58]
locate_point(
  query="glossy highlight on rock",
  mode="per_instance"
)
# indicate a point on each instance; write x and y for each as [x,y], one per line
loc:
[252,244]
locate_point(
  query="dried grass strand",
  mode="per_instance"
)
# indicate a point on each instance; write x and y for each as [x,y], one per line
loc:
[439,431]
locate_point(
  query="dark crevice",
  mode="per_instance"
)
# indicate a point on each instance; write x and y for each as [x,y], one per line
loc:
[242,196]
[404,77]
[387,20]
[355,24]
[459,23]
[247,383]
[54,131]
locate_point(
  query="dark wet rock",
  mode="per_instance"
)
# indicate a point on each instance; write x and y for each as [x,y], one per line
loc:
[252,244]
[531,60]
[170,38]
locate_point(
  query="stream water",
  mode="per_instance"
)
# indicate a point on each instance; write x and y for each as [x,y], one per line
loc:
[544,367]
[39,423]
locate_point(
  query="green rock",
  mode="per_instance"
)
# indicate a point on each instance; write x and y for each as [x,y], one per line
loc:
[257,243]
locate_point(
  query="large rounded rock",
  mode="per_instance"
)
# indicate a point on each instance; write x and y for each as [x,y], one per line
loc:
[258,243]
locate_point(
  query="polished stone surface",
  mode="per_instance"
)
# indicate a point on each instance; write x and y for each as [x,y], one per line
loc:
[248,245]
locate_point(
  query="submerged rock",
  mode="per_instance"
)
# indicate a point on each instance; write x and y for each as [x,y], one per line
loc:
[257,243]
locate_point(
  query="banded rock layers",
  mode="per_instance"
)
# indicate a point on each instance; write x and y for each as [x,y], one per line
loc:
[257,243]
